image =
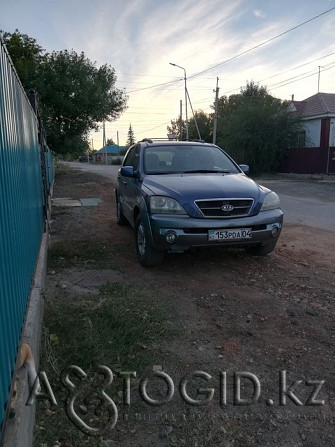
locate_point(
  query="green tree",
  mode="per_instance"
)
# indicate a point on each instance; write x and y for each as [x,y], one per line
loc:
[110,142]
[26,55]
[255,128]
[205,125]
[75,95]
[177,128]
[131,137]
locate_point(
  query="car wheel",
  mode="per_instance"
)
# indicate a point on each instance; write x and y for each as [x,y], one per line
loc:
[147,255]
[264,249]
[120,219]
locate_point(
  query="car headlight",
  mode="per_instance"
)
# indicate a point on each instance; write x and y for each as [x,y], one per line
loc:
[166,205]
[271,202]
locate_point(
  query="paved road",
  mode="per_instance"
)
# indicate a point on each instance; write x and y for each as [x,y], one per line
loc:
[109,171]
[305,202]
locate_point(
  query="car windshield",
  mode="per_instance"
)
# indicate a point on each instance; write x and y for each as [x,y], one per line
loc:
[168,159]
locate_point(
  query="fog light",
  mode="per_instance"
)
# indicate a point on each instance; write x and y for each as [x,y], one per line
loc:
[170,237]
[275,230]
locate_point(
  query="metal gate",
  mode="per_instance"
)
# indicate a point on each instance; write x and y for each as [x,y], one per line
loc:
[331,161]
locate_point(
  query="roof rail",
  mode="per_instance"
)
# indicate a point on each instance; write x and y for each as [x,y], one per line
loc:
[193,140]
[146,140]
[150,140]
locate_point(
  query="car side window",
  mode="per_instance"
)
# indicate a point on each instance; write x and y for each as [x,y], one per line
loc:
[128,157]
[132,158]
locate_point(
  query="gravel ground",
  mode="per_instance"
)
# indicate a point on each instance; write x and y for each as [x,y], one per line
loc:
[247,322]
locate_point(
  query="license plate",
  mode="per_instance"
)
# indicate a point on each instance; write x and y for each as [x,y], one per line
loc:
[236,233]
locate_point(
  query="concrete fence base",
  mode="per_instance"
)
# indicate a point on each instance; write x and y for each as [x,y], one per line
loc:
[18,431]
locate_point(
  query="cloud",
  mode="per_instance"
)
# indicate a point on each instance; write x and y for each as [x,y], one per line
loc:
[140,37]
[259,13]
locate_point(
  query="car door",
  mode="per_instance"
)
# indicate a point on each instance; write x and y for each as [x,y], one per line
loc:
[128,185]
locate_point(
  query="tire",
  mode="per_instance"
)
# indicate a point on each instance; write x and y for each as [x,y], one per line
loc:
[264,249]
[120,219]
[147,255]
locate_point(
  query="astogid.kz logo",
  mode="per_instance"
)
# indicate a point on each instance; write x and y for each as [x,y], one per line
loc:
[87,398]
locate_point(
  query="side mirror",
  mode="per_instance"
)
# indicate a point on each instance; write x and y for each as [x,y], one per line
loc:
[127,171]
[244,168]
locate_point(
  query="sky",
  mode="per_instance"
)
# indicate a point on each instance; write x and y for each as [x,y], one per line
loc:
[237,41]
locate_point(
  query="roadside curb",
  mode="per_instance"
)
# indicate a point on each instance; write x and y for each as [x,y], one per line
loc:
[315,178]
[18,431]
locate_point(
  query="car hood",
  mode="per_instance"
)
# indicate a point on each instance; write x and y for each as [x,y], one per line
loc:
[186,188]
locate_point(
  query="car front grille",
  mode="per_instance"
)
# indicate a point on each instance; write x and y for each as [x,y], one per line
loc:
[224,207]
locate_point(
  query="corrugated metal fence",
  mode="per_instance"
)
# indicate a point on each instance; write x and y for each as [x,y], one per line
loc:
[26,174]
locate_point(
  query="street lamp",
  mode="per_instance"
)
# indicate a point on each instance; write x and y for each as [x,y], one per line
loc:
[186,122]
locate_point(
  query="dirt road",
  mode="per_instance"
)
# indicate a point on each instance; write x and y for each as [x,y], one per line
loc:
[260,332]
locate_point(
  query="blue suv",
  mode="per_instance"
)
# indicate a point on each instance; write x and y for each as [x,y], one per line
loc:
[179,195]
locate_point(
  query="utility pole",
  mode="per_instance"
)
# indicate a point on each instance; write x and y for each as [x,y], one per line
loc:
[319,79]
[104,140]
[216,110]
[88,151]
[186,93]
[181,121]
[185,79]
[117,141]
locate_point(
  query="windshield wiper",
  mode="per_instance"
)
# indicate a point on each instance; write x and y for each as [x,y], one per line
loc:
[204,171]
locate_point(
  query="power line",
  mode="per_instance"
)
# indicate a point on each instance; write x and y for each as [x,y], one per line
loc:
[134,123]
[146,108]
[275,75]
[173,87]
[298,66]
[146,113]
[290,80]
[237,55]
[160,125]
[261,44]
[141,124]
[296,80]
[154,86]
[261,80]
[285,81]
[147,75]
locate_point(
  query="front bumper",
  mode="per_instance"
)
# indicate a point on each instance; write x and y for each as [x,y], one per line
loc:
[190,232]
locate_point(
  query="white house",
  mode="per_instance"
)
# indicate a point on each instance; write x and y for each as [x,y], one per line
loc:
[318,116]
[315,151]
